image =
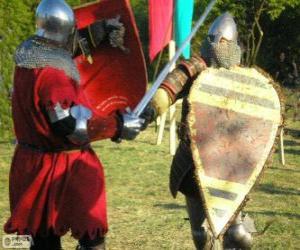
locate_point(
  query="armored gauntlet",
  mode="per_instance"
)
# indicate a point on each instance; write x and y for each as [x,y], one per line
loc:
[131,126]
[111,29]
[116,32]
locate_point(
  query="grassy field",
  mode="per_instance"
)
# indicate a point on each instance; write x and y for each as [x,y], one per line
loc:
[142,213]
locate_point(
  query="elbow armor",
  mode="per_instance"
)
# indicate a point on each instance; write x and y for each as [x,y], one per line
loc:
[71,122]
[185,71]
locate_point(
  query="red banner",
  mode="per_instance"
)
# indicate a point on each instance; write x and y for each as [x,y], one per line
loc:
[160,25]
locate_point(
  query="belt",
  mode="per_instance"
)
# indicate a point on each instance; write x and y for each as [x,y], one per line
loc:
[52,150]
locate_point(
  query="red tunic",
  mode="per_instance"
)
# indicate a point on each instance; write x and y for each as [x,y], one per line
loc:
[53,190]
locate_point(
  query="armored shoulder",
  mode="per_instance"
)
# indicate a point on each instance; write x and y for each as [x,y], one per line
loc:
[36,52]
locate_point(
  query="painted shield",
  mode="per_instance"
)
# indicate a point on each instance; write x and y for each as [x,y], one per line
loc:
[233,123]
[116,79]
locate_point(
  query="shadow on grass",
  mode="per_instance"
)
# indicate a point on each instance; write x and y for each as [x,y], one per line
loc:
[291,143]
[273,213]
[112,147]
[285,169]
[271,189]
[4,142]
[169,206]
[290,151]
[293,132]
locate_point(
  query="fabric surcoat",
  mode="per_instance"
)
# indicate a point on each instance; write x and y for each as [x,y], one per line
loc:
[54,184]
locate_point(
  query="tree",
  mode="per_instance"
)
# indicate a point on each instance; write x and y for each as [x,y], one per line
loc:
[271,8]
[254,18]
[15,24]
[282,35]
[248,14]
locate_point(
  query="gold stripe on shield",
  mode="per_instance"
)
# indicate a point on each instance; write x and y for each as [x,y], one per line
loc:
[238,106]
[239,87]
[222,184]
[221,203]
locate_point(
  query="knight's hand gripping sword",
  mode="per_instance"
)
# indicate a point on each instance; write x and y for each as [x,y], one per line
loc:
[148,96]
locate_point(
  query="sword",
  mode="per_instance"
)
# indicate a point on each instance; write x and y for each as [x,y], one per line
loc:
[148,96]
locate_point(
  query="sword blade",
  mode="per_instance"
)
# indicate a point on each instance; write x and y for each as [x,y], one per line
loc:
[148,96]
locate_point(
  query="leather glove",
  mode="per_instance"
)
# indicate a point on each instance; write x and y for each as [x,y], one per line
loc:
[97,32]
[149,115]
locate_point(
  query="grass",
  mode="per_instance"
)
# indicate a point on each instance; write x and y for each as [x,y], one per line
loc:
[142,213]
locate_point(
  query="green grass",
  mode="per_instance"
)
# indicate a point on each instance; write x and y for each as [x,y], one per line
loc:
[142,213]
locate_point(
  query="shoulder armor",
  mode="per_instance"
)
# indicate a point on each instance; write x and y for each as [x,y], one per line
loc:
[36,53]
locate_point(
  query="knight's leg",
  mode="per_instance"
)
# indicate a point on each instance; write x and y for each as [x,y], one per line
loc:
[197,216]
[85,243]
[238,235]
[49,242]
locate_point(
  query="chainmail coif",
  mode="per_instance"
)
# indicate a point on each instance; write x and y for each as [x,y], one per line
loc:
[220,55]
[37,53]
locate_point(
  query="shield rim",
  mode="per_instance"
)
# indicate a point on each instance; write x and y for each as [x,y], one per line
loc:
[252,179]
[139,50]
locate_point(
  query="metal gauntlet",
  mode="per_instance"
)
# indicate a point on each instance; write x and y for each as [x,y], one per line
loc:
[111,29]
[116,33]
[131,126]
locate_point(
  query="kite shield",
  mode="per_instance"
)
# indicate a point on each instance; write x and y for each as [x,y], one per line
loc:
[233,121]
[116,79]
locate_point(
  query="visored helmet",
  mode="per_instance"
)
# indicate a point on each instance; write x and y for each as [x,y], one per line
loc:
[55,21]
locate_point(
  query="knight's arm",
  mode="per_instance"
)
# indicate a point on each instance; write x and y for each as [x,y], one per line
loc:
[81,127]
[177,83]
[93,35]
[69,117]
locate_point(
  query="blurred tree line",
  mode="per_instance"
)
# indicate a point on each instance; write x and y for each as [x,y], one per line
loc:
[266,27]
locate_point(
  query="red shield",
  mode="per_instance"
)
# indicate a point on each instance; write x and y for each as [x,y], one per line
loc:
[115,80]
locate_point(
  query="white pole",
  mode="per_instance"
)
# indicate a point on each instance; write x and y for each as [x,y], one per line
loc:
[172,52]
[282,147]
[161,127]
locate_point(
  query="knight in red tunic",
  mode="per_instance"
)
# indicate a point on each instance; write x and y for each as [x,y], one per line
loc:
[56,179]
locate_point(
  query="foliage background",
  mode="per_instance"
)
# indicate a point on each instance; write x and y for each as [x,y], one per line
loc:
[279,19]
[142,214]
